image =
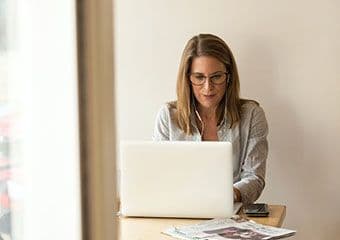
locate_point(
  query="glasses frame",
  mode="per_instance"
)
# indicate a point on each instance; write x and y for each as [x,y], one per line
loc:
[209,78]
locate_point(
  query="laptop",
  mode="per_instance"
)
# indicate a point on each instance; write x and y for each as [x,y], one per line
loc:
[178,179]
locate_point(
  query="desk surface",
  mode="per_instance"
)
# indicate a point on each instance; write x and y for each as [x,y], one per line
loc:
[150,228]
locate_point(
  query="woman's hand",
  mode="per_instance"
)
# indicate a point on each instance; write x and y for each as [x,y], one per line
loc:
[237,195]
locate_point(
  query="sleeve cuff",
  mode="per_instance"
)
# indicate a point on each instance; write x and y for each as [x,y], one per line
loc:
[250,190]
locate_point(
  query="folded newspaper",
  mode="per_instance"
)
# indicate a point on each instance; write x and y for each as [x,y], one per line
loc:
[228,228]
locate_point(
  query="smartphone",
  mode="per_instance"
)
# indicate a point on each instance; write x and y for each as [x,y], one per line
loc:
[256,210]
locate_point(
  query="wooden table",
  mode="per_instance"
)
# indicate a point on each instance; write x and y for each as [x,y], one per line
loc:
[150,228]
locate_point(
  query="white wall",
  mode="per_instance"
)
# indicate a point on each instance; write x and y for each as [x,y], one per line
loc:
[287,53]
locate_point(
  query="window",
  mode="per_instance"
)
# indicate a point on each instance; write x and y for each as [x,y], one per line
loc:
[39,138]
[57,138]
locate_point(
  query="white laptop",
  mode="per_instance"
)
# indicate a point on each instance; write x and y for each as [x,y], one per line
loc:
[176,179]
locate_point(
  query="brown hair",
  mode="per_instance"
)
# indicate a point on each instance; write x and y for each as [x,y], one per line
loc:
[229,107]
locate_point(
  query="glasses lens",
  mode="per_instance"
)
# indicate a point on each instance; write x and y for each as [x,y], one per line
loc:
[218,78]
[197,78]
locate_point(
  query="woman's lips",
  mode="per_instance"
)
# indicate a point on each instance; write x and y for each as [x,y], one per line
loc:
[209,96]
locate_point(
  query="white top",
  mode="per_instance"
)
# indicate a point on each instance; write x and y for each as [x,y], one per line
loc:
[248,138]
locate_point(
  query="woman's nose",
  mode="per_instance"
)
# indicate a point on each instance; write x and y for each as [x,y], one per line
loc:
[207,84]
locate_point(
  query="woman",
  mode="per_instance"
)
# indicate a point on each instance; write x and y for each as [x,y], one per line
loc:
[208,108]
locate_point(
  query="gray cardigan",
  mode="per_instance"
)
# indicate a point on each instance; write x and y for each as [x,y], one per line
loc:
[248,138]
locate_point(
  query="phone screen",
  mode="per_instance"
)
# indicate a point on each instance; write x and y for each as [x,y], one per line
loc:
[257,209]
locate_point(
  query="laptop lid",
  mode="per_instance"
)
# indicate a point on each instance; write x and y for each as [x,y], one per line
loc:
[176,179]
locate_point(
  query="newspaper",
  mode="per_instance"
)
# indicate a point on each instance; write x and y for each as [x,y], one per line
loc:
[228,228]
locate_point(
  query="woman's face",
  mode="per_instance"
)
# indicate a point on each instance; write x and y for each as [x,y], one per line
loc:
[208,95]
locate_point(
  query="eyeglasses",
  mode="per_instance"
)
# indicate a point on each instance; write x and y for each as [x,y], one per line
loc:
[216,78]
